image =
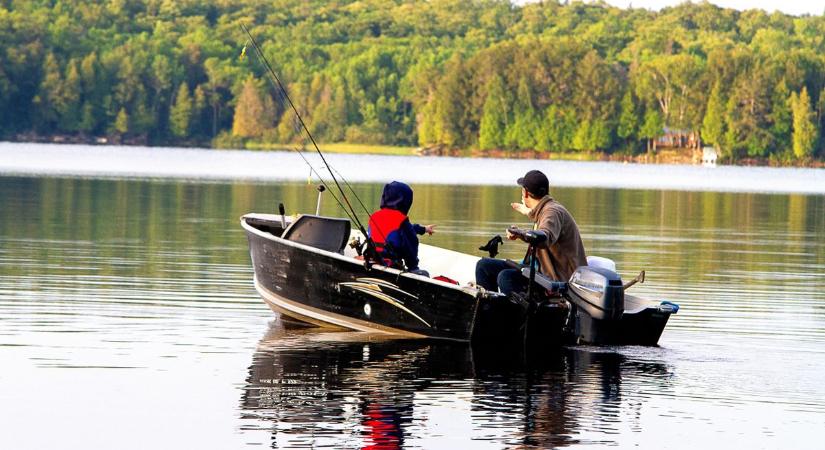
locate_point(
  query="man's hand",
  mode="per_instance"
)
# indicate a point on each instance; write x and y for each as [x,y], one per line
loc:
[429,229]
[520,207]
[510,235]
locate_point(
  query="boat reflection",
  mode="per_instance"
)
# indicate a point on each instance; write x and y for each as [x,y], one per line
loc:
[310,387]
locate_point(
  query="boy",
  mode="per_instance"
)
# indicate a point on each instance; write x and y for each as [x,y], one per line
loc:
[395,237]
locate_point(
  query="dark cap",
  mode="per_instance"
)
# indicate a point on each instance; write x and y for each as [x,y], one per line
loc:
[535,182]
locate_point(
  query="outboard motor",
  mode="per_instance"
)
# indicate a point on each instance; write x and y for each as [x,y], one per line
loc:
[598,299]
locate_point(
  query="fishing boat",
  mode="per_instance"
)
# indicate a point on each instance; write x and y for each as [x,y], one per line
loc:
[325,271]
[309,268]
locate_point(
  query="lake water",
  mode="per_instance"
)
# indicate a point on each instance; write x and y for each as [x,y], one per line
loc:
[128,319]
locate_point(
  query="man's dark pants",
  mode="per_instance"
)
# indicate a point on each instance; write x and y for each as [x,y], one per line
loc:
[497,274]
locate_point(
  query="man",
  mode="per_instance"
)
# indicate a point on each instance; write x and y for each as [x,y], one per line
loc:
[558,257]
[396,239]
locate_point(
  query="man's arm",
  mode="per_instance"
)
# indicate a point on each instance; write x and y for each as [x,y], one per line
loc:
[551,225]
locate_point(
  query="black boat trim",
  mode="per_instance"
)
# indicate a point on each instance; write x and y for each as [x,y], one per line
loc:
[324,318]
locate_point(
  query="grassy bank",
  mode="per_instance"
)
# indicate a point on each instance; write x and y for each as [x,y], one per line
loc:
[342,147]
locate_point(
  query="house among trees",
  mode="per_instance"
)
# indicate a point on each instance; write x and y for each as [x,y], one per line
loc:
[673,138]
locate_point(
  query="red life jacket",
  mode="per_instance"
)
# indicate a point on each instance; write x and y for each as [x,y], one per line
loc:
[382,223]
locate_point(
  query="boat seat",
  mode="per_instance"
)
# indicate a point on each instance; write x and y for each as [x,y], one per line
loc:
[325,233]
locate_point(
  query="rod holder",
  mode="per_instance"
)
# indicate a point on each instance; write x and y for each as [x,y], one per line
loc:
[321,190]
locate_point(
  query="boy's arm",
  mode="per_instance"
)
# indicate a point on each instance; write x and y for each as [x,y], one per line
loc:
[422,230]
[410,245]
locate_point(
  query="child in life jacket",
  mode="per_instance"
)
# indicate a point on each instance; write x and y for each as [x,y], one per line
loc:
[395,238]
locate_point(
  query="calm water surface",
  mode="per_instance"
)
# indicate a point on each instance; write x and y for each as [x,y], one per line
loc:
[128,320]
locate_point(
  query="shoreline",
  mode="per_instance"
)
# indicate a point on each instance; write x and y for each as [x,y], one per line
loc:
[275,166]
[664,156]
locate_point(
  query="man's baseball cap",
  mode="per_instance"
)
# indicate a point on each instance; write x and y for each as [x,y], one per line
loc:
[535,182]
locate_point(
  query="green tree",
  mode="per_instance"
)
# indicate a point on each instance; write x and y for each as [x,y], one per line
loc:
[200,113]
[581,140]
[780,117]
[121,125]
[49,99]
[450,120]
[337,115]
[557,130]
[521,132]
[672,82]
[494,116]
[70,108]
[652,128]
[713,124]
[591,135]
[805,133]
[426,124]
[628,119]
[180,115]
[748,114]
[88,121]
[416,68]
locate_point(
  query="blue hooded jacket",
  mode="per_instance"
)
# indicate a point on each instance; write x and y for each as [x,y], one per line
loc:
[390,228]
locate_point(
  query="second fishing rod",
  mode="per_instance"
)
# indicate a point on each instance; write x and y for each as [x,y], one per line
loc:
[371,252]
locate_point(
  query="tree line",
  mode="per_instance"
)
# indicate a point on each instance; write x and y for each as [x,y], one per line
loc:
[472,74]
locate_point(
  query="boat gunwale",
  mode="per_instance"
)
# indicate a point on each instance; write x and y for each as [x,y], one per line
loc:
[348,259]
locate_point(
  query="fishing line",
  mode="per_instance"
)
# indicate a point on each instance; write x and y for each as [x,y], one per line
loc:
[279,87]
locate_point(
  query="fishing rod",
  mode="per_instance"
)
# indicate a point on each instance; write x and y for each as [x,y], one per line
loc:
[323,182]
[279,87]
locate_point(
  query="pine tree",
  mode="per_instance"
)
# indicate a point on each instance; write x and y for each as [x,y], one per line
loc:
[600,137]
[494,116]
[200,114]
[180,115]
[544,138]
[581,140]
[70,108]
[426,125]
[88,121]
[521,132]
[558,130]
[253,115]
[49,100]
[732,137]
[450,119]
[804,126]
[628,120]
[713,124]
[337,117]
[122,122]
[781,118]
[820,114]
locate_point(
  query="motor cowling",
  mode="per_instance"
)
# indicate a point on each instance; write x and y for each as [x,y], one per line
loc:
[598,292]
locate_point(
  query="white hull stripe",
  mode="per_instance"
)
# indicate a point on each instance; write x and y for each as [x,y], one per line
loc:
[373,291]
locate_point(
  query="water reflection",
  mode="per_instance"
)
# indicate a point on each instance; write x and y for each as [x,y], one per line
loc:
[153,278]
[314,388]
